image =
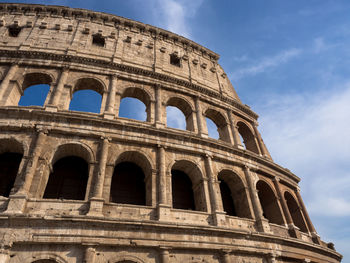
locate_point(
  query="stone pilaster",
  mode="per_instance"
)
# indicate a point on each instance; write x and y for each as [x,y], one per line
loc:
[6,80]
[226,258]
[293,231]
[200,120]
[158,107]
[262,223]
[17,201]
[214,190]
[163,206]
[110,112]
[261,145]
[164,255]
[55,99]
[96,201]
[89,254]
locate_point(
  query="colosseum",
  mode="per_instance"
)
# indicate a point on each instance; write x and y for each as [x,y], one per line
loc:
[97,187]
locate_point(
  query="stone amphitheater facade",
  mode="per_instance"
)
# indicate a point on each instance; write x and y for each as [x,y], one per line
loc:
[97,188]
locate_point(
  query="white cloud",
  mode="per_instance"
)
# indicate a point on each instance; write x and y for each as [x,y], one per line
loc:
[175,118]
[310,135]
[266,63]
[175,14]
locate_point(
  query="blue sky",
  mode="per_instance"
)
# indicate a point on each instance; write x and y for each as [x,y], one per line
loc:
[289,61]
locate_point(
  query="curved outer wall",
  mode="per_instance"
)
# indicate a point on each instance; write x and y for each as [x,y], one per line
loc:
[73,49]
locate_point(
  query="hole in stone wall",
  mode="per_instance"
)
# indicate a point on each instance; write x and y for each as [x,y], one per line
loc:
[175,60]
[212,129]
[227,200]
[248,137]
[86,101]
[68,179]
[269,204]
[128,186]
[182,190]
[132,108]
[175,118]
[34,95]
[9,164]
[14,31]
[295,212]
[98,40]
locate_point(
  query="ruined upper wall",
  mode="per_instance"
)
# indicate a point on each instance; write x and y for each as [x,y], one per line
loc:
[64,30]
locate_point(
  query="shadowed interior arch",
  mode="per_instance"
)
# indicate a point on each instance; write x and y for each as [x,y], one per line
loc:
[234,196]
[295,212]
[187,186]
[132,181]
[269,203]
[11,153]
[128,186]
[248,137]
[68,179]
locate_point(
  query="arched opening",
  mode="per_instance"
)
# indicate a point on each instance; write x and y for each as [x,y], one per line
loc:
[86,101]
[45,261]
[11,153]
[34,95]
[234,197]
[269,203]
[68,179]
[35,88]
[98,40]
[87,96]
[182,191]
[227,201]
[220,122]
[132,180]
[135,102]
[179,114]
[248,137]
[295,212]
[9,164]
[128,185]
[132,108]
[212,129]
[187,187]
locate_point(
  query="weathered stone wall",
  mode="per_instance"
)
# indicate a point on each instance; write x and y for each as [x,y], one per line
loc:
[55,46]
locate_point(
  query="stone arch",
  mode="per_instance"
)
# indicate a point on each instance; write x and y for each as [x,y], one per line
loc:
[71,170]
[248,137]
[182,169]
[269,202]
[11,154]
[45,258]
[74,148]
[137,166]
[126,259]
[15,94]
[221,123]
[238,195]
[87,94]
[295,212]
[185,107]
[142,95]
[88,82]
[35,78]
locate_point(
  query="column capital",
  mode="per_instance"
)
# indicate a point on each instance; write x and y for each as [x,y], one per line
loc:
[106,138]
[65,68]
[114,76]
[157,86]
[41,129]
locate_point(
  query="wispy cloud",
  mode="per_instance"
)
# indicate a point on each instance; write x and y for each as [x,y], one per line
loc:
[175,14]
[309,134]
[266,63]
[296,127]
